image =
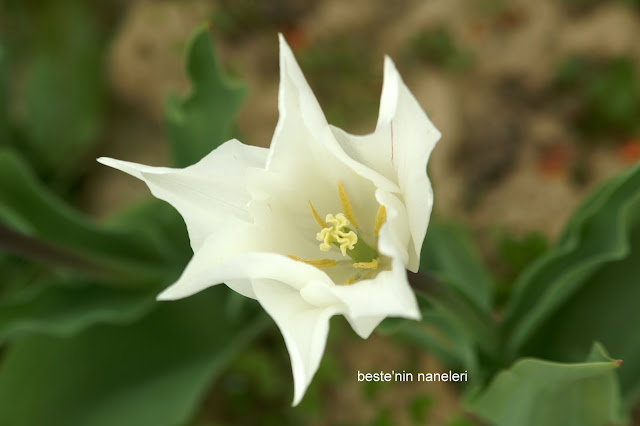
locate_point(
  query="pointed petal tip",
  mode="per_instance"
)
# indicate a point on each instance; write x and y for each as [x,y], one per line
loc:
[166,295]
[284,46]
[390,68]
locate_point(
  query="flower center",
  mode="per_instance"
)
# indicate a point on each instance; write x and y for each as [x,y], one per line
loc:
[336,232]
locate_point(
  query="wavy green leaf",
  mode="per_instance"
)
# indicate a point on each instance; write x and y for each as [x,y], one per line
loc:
[28,207]
[535,392]
[204,119]
[154,372]
[586,288]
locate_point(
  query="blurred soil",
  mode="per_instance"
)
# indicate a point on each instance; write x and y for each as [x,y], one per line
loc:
[511,156]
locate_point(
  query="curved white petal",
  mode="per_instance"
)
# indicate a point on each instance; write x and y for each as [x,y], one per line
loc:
[303,326]
[234,255]
[399,149]
[207,193]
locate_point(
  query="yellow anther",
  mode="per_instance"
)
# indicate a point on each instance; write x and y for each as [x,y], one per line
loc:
[319,263]
[367,265]
[346,206]
[321,223]
[335,233]
[381,218]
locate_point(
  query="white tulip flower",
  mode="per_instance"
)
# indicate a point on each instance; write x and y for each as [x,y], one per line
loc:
[321,223]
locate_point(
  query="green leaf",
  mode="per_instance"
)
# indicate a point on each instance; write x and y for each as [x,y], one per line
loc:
[456,321]
[64,89]
[586,288]
[535,392]
[4,95]
[201,122]
[449,254]
[131,249]
[59,308]
[154,372]
[440,333]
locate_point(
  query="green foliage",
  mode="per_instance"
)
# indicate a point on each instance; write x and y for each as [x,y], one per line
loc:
[419,408]
[604,97]
[64,90]
[586,287]
[4,103]
[153,372]
[456,322]
[535,392]
[448,253]
[28,207]
[515,255]
[204,119]
[86,342]
[56,307]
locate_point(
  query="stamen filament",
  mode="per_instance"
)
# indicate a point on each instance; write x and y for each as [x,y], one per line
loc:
[318,263]
[346,205]
[381,218]
[351,280]
[321,223]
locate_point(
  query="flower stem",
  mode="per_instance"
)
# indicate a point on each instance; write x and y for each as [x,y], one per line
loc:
[41,251]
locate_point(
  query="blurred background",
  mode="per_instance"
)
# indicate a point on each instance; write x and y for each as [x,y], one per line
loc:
[538,102]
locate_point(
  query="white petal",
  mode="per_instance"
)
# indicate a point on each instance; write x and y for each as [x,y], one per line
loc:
[303,326]
[302,130]
[234,255]
[364,326]
[399,150]
[207,193]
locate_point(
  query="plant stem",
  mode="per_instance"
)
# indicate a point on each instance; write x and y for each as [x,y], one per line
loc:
[41,251]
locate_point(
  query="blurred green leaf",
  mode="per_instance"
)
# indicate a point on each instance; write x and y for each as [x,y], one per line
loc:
[29,208]
[586,288]
[437,333]
[65,90]
[419,409]
[515,255]
[456,308]
[535,392]
[4,97]
[59,308]
[204,120]
[449,254]
[153,372]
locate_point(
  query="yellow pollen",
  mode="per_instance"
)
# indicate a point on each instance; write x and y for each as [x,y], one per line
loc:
[321,223]
[336,234]
[346,205]
[319,263]
[381,218]
[367,265]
